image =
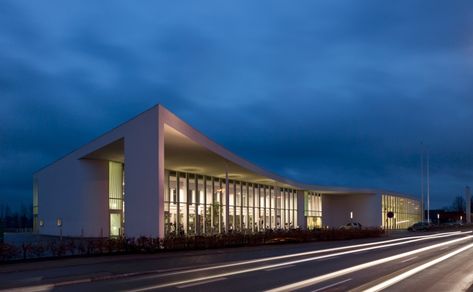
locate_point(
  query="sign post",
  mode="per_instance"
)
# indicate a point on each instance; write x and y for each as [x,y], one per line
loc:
[390,215]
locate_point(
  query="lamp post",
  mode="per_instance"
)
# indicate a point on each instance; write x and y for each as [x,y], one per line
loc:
[59,224]
[438,219]
[351,216]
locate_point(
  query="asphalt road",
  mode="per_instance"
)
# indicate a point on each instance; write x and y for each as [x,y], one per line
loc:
[418,262]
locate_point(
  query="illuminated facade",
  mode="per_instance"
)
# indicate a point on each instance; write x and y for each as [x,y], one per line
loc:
[406,211]
[199,206]
[157,176]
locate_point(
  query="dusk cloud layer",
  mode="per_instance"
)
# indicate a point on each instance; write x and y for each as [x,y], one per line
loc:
[324,92]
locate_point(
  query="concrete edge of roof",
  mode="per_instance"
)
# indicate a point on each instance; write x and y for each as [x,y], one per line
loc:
[95,139]
[252,167]
[233,158]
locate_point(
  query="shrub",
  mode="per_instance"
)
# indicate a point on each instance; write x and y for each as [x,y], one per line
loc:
[8,251]
[59,248]
[38,249]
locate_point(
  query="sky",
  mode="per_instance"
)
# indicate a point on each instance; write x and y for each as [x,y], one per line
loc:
[325,92]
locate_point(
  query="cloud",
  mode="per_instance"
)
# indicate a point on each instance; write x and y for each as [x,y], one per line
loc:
[327,93]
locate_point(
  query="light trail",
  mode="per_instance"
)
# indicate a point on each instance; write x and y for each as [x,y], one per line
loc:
[247,262]
[332,285]
[416,270]
[409,259]
[248,270]
[38,288]
[319,279]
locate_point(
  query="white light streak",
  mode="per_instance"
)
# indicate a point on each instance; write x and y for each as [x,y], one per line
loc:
[265,267]
[332,285]
[319,279]
[241,263]
[201,283]
[416,270]
[409,259]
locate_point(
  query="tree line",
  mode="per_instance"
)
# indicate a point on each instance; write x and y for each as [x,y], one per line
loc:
[21,218]
[458,205]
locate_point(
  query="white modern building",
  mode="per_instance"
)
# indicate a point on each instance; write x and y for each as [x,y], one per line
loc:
[155,175]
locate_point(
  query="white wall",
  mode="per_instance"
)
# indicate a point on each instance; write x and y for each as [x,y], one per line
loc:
[366,209]
[141,177]
[76,189]
[76,192]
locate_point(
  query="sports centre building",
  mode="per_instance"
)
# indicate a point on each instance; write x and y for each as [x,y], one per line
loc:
[155,175]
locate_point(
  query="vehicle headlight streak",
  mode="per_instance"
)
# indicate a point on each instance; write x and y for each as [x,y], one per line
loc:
[416,270]
[270,266]
[318,279]
[247,262]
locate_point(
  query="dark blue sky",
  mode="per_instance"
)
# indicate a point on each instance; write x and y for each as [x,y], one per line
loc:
[325,92]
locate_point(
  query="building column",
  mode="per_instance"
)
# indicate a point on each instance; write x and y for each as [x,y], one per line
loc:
[161,183]
[301,219]
[197,204]
[144,181]
[227,200]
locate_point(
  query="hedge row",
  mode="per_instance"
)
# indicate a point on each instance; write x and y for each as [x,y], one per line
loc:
[102,246]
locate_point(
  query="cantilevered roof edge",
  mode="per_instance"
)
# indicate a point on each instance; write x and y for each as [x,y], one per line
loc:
[178,124]
[97,138]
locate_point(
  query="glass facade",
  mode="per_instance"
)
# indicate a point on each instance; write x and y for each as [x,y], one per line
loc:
[313,209]
[406,212]
[196,204]
[116,202]
[35,206]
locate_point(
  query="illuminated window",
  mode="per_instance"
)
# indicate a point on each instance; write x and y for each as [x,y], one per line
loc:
[406,212]
[313,209]
[196,204]
[116,201]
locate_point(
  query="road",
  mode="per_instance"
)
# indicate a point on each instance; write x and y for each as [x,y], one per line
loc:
[418,262]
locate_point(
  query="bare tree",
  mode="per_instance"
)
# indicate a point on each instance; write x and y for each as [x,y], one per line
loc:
[458,204]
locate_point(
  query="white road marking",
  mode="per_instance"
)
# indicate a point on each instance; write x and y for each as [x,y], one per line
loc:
[409,259]
[416,270]
[201,283]
[331,285]
[278,268]
[319,279]
[226,274]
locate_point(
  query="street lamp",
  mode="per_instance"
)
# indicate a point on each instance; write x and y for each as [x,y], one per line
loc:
[59,224]
[351,215]
[438,219]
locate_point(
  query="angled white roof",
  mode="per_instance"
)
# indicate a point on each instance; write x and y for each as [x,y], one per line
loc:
[188,150]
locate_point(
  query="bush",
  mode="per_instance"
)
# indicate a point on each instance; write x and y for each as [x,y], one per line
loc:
[69,247]
[38,249]
[8,251]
